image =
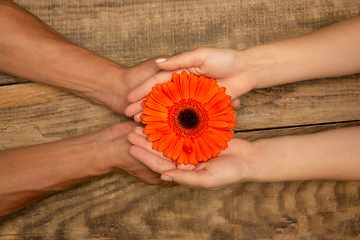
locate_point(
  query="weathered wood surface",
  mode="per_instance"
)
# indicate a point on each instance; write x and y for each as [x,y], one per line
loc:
[120,207]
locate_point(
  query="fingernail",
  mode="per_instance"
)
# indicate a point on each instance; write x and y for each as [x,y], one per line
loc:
[166,178]
[160,60]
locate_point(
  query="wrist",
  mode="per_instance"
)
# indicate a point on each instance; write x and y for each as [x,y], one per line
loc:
[86,74]
[260,64]
[276,160]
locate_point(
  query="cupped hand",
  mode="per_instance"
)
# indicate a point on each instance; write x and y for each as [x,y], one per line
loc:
[227,66]
[115,157]
[231,166]
[129,78]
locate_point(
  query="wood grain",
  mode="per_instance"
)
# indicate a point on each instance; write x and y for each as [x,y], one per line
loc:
[33,113]
[118,206]
[48,114]
[130,31]
[252,135]
[303,103]
[8,80]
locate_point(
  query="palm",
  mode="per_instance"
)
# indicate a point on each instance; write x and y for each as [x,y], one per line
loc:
[117,148]
[225,65]
[226,169]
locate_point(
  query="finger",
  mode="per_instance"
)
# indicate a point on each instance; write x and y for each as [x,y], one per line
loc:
[187,167]
[155,163]
[140,131]
[141,141]
[134,108]
[235,102]
[145,88]
[184,60]
[123,128]
[190,179]
[200,166]
[137,117]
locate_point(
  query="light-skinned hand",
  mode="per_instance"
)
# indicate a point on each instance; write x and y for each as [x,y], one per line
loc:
[228,168]
[227,66]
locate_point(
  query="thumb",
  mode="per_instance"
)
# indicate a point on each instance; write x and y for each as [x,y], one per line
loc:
[188,178]
[192,59]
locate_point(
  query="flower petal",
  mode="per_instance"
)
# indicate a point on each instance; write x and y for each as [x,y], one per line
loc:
[215,100]
[200,86]
[165,141]
[205,147]
[213,89]
[174,91]
[192,158]
[188,145]
[226,134]
[185,85]
[221,143]
[155,106]
[167,91]
[194,81]
[178,148]
[151,112]
[199,153]
[149,131]
[147,118]
[204,89]
[155,144]
[224,111]
[186,159]
[181,158]
[225,117]
[151,98]
[156,125]
[215,148]
[165,130]
[218,107]
[155,136]
[161,96]
[169,150]
[218,124]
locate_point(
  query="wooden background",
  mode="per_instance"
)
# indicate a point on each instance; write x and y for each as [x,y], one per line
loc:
[118,206]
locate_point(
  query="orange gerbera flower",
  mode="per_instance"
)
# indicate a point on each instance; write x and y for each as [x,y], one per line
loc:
[189,118]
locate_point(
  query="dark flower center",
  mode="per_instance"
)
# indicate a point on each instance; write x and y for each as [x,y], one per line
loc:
[188,119]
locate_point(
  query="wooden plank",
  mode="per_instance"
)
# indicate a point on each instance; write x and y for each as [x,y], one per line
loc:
[247,216]
[33,113]
[252,135]
[7,80]
[131,31]
[43,113]
[303,103]
[118,206]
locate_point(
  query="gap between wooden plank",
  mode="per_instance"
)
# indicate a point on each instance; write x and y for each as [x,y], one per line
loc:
[252,135]
[297,126]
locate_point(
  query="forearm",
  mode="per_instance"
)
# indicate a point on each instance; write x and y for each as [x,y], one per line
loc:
[330,155]
[31,173]
[32,50]
[328,52]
